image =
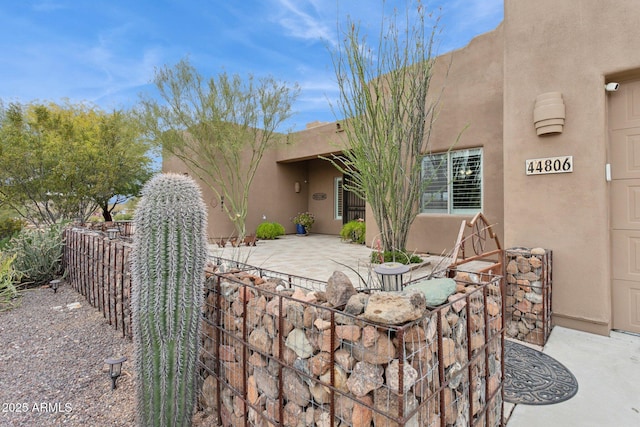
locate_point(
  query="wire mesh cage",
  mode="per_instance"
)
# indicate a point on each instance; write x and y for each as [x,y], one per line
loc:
[528,294]
[275,352]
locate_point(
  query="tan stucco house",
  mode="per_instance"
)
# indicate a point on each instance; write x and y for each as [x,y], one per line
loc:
[552,155]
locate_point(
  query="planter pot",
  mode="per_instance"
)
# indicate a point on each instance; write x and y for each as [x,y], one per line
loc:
[301,230]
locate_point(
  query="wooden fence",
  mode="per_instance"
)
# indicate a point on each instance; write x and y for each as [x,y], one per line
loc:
[99,269]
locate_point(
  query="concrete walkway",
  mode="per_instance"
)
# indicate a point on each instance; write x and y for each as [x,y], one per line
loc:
[607,368]
[608,374]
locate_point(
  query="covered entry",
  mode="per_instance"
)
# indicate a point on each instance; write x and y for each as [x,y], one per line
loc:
[624,133]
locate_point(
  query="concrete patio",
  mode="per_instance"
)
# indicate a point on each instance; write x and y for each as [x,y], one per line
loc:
[607,368]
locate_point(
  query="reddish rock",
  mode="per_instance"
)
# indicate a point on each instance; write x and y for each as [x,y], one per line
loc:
[415,333]
[364,378]
[320,363]
[535,262]
[523,264]
[233,374]
[448,352]
[362,416]
[261,340]
[227,353]
[383,351]
[369,336]
[325,341]
[493,307]
[458,302]
[292,414]
[524,306]
[348,332]
[244,293]
[344,359]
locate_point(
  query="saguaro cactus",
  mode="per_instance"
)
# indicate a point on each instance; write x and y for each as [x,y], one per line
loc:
[168,260]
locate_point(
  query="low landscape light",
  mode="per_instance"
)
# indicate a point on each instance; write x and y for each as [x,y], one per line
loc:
[391,275]
[115,369]
[54,284]
[112,233]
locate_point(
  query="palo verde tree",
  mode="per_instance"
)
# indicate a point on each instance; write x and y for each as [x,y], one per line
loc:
[218,127]
[385,98]
[61,162]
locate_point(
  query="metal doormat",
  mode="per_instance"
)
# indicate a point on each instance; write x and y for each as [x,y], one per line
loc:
[534,378]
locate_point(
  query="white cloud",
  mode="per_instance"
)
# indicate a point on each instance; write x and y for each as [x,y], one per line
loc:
[301,19]
[48,6]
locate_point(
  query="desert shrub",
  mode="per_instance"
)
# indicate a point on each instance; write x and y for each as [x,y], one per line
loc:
[8,277]
[123,216]
[397,256]
[354,231]
[38,254]
[269,230]
[9,227]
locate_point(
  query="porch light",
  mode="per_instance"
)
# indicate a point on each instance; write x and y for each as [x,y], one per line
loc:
[54,284]
[115,369]
[391,275]
[296,186]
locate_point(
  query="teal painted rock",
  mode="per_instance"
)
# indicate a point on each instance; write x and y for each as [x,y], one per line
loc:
[436,291]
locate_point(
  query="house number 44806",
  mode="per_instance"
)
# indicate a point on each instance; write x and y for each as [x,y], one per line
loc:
[563,164]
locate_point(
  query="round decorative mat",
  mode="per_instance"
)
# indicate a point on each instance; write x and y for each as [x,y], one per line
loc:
[534,378]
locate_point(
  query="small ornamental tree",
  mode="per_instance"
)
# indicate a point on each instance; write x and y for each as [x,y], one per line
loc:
[219,128]
[384,97]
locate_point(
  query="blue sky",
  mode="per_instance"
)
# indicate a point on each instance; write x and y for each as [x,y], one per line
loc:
[105,51]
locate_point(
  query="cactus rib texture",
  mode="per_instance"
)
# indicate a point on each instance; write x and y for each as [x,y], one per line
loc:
[168,260]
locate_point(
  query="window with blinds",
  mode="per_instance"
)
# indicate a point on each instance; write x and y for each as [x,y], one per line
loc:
[452,182]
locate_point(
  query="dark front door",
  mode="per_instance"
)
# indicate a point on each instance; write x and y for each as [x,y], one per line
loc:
[353,206]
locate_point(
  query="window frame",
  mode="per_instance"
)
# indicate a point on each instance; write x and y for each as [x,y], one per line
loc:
[447,195]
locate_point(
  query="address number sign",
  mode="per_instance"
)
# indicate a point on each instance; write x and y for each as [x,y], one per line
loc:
[563,164]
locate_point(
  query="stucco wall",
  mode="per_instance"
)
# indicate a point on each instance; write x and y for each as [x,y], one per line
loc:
[271,195]
[569,47]
[322,176]
[471,102]
[321,140]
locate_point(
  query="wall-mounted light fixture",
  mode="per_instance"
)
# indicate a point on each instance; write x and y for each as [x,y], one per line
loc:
[296,186]
[549,113]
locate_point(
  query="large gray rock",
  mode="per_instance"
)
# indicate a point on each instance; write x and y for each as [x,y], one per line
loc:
[294,389]
[356,304]
[266,383]
[297,341]
[339,289]
[436,291]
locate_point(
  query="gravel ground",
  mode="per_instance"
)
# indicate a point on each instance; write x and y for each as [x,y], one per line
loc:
[52,369]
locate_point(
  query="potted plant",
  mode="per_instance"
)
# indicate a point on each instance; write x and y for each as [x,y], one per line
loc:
[303,222]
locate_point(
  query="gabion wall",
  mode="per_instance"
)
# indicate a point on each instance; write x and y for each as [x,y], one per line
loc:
[528,295]
[99,269]
[278,354]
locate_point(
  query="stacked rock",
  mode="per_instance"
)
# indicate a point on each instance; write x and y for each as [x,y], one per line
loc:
[299,357]
[528,294]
